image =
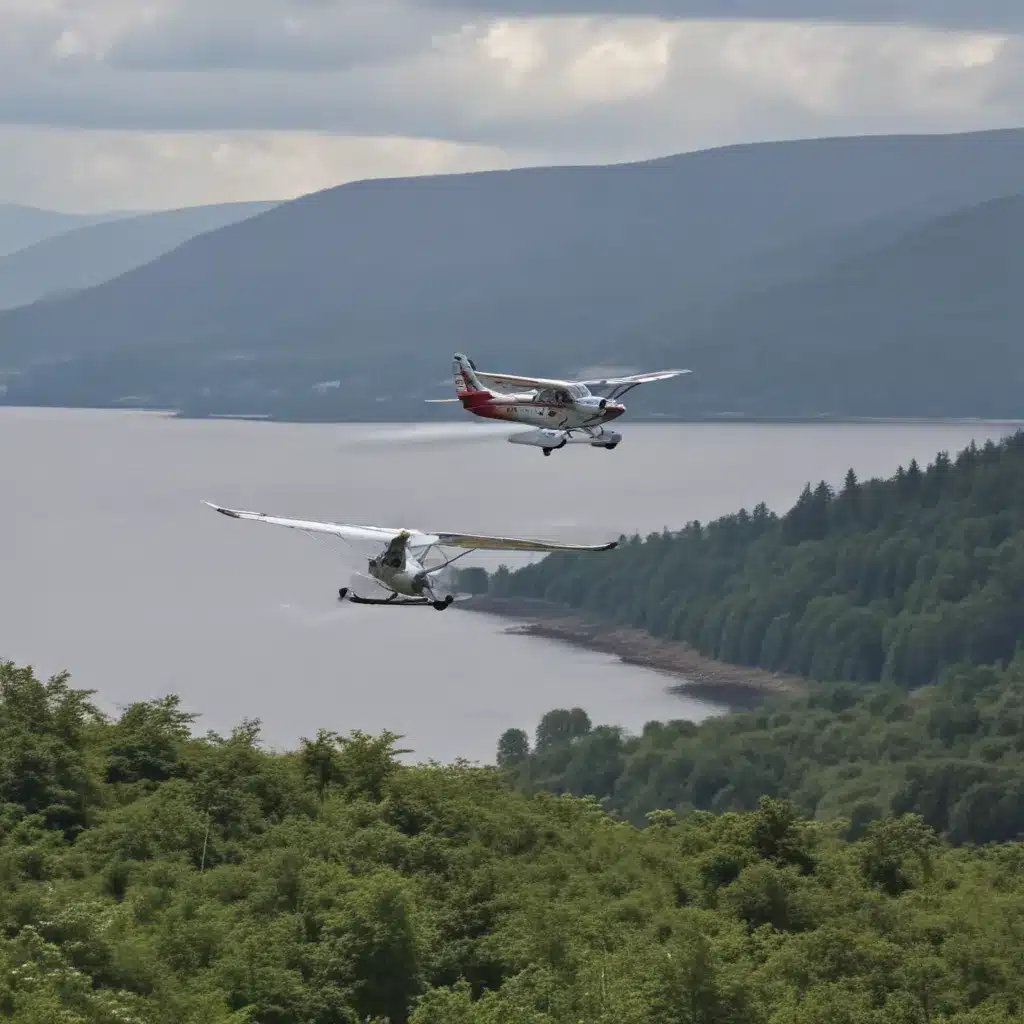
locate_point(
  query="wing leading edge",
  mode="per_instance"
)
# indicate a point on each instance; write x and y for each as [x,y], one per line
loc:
[482,543]
[343,530]
[637,378]
[502,381]
[416,538]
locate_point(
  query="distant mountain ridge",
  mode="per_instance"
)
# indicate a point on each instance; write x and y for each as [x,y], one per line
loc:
[95,253]
[22,226]
[683,260]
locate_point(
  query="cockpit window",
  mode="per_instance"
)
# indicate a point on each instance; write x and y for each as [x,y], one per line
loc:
[579,390]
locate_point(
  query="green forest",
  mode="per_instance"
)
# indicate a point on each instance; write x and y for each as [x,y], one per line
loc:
[886,580]
[903,599]
[952,753]
[151,874]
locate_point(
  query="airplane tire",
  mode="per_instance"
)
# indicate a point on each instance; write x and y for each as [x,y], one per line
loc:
[342,593]
[547,451]
[610,447]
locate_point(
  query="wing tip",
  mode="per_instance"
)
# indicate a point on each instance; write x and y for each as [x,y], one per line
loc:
[223,511]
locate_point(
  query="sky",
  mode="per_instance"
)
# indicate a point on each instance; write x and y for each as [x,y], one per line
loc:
[153,104]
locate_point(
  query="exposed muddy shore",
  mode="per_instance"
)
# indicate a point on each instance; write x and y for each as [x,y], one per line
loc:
[735,686]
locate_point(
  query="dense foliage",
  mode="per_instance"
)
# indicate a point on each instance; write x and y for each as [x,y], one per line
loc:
[888,580]
[149,876]
[952,753]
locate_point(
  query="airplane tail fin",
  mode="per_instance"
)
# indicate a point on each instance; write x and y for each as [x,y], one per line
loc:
[466,381]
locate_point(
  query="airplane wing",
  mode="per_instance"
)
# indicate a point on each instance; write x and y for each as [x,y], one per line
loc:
[620,385]
[342,530]
[479,542]
[506,382]
[417,540]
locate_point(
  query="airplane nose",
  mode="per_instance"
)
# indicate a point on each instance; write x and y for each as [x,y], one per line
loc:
[613,410]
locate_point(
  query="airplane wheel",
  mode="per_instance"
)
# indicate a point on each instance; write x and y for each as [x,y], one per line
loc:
[342,593]
[610,447]
[547,451]
[439,606]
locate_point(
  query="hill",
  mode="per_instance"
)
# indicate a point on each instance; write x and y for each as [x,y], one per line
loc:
[153,877]
[22,226]
[373,284]
[904,597]
[886,580]
[926,325]
[90,255]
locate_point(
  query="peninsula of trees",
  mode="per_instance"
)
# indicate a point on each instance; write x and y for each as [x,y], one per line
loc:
[902,599]
[885,581]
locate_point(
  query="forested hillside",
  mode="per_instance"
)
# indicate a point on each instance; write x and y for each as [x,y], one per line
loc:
[552,271]
[909,328]
[952,753]
[883,588]
[886,580]
[148,876]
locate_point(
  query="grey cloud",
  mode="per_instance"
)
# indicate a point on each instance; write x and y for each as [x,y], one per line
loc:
[305,35]
[999,15]
[373,103]
[441,94]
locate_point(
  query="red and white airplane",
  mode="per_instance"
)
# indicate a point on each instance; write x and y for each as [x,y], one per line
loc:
[565,412]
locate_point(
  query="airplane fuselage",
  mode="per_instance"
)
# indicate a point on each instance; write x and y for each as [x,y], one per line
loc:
[552,408]
[407,577]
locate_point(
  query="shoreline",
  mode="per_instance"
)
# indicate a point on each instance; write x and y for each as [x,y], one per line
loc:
[720,419]
[736,687]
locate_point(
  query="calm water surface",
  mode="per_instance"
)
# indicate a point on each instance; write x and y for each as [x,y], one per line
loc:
[114,569]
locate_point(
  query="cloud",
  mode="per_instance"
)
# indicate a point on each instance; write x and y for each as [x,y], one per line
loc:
[999,15]
[177,35]
[501,90]
[91,171]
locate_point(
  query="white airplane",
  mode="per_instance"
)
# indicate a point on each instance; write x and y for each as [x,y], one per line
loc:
[564,411]
[401,567]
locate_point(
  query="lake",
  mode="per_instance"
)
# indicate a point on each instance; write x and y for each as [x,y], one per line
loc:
[114,569]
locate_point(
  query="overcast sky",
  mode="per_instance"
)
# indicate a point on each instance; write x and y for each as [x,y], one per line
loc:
[132,104]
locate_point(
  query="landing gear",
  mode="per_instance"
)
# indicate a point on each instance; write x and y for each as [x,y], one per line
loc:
[395,600]
[610,447]
[547,451]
